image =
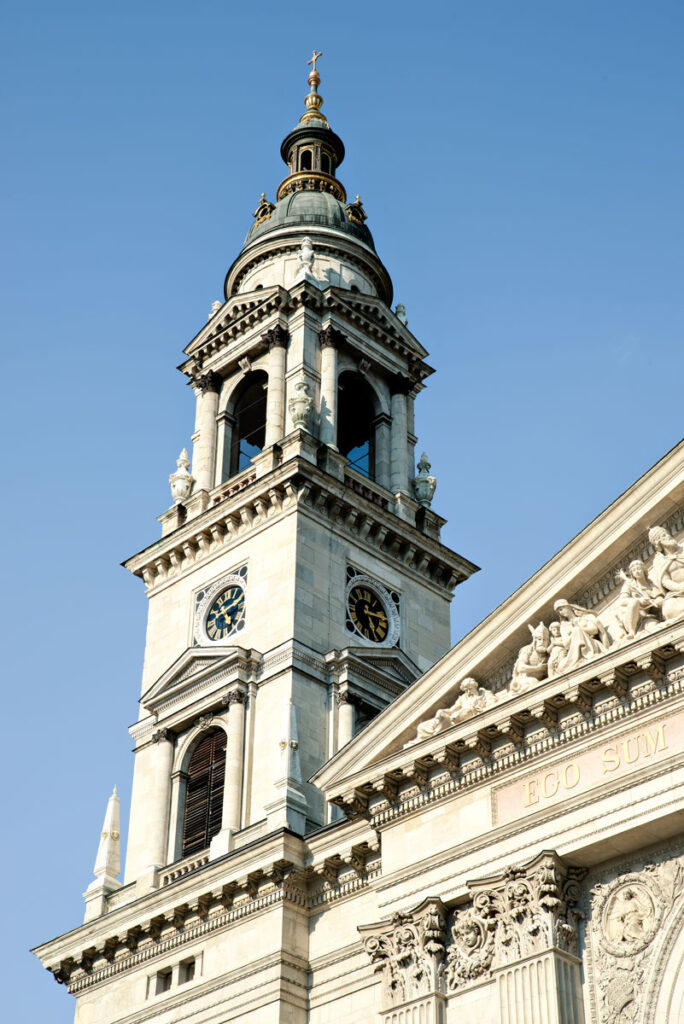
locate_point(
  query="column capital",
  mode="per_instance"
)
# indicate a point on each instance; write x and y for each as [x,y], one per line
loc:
[330,337]
[208,381]
[163,734]
[276,337]
[233,697]
[400,384]
[345,697]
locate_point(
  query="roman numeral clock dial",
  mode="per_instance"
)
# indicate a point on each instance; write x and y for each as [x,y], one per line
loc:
[372,611]
[225,613]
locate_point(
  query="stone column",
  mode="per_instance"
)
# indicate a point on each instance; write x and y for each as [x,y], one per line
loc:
[207,387]
[330,340]
[159,798]
[276,339]
[232,787]
[400,387]
[346,718]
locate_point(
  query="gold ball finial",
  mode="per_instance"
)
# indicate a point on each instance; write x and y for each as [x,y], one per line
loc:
[313,100]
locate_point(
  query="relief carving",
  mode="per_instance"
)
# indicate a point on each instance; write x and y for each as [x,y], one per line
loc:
[527,911]
[627,916]
[647,599]
[408,952]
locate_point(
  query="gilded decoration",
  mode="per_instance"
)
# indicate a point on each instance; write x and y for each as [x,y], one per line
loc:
[264,209]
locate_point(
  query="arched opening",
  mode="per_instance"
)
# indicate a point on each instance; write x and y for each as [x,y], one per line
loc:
[249,430]
[204,792]
[305,160]
[355,422]
[325,163]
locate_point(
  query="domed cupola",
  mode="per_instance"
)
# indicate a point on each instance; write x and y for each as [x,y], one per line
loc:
[310,201]
[312,151]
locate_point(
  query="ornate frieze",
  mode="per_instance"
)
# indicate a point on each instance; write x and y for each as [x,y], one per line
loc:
[524,912]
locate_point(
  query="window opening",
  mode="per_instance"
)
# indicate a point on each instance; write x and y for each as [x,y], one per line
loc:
[163,981]
[325,163]
[355,429]
[249,432]
[186,971]
[305,161]
[204,792]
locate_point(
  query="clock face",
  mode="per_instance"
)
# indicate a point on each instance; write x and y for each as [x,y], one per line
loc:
[368,613]
[226,613]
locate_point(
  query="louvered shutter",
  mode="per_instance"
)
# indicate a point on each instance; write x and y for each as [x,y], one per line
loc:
[204,792]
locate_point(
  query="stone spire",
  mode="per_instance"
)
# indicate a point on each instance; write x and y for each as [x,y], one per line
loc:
[288,809]
[107,862]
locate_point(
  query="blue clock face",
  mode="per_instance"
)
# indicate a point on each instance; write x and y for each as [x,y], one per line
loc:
[226,614]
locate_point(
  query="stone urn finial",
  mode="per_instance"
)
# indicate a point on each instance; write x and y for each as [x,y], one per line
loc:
[424,485]
[181,481]
[301,404]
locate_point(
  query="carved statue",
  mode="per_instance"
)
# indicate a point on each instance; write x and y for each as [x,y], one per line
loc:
[558,652]
[583,634]
[532,661]
[638,605]
[667,572]
[306,257]
[472,700]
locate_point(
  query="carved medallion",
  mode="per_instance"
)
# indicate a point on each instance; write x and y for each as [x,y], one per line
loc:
[629,919]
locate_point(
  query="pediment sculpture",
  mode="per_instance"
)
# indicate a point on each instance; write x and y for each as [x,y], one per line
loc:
[647,599]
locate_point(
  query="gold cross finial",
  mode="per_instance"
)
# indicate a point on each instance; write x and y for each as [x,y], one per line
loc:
[315,58]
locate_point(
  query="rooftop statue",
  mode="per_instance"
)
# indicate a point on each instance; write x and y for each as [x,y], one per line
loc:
[532,662]
[667,573]
[472,700]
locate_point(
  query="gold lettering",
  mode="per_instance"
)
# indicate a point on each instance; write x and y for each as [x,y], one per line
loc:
[611,759]
[531,792]
[655,743]
[554,778]
[566,775]
[625,749]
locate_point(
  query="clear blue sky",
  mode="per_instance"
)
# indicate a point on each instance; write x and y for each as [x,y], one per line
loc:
[521,165]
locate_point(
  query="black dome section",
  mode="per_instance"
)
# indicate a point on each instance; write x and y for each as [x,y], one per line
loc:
[312,209]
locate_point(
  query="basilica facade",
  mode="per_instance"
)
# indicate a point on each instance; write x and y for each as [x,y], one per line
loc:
[337,818]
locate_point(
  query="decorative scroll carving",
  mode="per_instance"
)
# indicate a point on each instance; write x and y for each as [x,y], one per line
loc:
[263,210]
[233,697]
[526,911]
[162,734]
[408,951]
[627,915]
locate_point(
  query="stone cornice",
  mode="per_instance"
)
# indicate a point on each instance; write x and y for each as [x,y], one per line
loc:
[297,485]
[560,711]
[281,868]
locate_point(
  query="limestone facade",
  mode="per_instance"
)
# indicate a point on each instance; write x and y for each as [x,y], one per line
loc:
[407,833]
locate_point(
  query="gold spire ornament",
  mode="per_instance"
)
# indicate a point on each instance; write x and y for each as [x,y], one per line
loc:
[313,100]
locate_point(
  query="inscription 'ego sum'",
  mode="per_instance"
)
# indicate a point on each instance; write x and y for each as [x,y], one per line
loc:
[613,757]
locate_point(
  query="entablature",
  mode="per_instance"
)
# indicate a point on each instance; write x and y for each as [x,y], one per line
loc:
[298,485]
[631,682]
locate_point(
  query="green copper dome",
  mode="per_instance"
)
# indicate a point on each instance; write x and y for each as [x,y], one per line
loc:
[309,209]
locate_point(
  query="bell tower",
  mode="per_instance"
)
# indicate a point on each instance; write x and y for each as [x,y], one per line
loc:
[299,584]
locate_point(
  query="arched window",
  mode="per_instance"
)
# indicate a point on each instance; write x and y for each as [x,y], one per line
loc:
[249,430]
[325,163]
[355,422]
[305,160]
[204,792]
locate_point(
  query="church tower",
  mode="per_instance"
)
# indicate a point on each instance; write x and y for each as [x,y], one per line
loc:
[299,584]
